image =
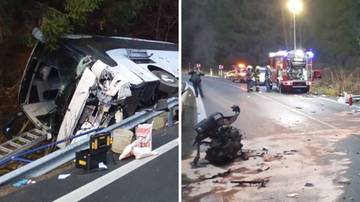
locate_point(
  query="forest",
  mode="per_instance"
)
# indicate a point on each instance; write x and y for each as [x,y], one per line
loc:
[232,31]
[147,19]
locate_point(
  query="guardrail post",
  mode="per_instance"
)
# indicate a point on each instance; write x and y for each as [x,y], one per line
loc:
[170,117]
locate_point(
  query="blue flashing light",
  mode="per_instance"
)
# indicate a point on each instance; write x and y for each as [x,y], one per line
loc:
[310,54]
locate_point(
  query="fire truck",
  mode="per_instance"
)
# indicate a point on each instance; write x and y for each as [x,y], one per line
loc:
[291,70]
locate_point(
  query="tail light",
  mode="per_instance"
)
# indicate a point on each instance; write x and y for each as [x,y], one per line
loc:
[287,83]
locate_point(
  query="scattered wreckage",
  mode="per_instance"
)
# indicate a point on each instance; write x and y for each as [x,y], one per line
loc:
[94,81]
[225,140]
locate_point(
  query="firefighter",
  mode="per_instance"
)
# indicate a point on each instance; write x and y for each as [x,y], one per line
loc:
[268,78]
[256,76]
[195,78]
[249,76]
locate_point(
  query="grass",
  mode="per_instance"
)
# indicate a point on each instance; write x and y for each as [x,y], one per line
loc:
[335,82]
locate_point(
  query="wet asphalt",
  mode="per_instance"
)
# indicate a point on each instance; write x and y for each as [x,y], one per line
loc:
[264,114]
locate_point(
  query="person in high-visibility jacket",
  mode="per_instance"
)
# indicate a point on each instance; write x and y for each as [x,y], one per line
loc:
[257,78]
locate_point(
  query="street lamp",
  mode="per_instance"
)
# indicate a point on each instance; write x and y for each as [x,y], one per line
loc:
[295,6]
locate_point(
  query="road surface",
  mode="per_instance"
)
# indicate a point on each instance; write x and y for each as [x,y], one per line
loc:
[154,179]
[322,134]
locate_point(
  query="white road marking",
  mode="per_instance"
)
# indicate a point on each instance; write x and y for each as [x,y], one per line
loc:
[97,184]
[293,110]
[200,108]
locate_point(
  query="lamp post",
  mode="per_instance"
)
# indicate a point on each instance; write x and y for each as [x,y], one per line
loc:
[295,7]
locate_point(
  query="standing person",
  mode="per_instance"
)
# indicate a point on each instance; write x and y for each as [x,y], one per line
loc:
[195,78]
[256,75]
[249,75]
[268,78]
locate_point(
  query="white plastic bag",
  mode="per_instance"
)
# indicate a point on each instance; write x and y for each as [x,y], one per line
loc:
[128,151]
[142,146]
[144,136]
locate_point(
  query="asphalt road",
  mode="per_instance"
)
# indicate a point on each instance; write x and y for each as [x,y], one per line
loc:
[318,120]
[156,180]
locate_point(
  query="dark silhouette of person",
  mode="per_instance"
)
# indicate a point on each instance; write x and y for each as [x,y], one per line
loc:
[195,78]
[249,76]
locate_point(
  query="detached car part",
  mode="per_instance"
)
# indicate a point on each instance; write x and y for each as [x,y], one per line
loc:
[88,79]
[225,140]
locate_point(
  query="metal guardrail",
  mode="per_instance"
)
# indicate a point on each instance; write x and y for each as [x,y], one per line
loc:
[355,97]
[66,154]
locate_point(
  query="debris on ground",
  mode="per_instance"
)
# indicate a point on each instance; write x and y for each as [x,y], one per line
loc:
[293,195]
[297,107]
[260,183]
[295,162]
[247,156]
[31,182]
[263,168]
[223,174]
[290,152]
[142,146]
[225,140]
[220,181]
[63,176]
[309,184]
[102,165]
[21,183]
[343,180]
[127,152]
[268,157]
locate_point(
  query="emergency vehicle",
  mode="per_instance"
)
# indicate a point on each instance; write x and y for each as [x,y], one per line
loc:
[291,70]
[240,73]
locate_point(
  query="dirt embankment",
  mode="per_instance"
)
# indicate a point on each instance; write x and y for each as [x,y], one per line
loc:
[11,70]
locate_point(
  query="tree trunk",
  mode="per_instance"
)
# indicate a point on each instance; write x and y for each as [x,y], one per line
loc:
[157,29]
